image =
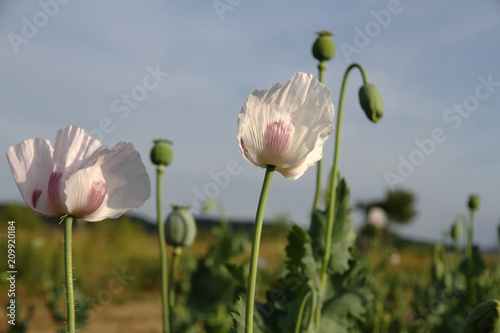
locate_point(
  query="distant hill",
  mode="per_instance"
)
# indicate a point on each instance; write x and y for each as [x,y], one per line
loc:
[19,211]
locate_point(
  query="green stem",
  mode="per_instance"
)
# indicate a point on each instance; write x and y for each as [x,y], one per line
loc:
[321,70]
[470,235]
[298,323]
[458,245]
[163,253]
[68,261]
[472,221]
[254,257]
[319,172]
[175,262]
[314,302]
[222,212]
[331,185]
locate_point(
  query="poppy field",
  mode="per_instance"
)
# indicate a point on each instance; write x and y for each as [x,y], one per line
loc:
[178,275]
[397,287]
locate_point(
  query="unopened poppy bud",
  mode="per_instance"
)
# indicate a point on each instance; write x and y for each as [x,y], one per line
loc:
[456,231]
[484,318]
[162,154]
[324,47]
[371,102]
[180,227]
[474,202]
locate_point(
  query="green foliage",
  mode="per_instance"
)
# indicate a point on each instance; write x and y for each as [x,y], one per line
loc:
[343,236]
[475,266]
[338,313]
[300,279]
[238,314]
[292,305]
[398,205]
[217,281]
[432,290]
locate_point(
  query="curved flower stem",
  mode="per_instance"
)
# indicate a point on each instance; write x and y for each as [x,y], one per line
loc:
[68,262]
[163,253]
[321,71]
[332,181]
[298,323]
[310,319]
[252,275]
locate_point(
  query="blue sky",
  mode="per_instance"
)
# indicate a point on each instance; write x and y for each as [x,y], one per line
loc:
[187,67]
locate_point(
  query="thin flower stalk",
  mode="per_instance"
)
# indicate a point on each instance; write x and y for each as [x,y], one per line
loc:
[254,257]
[332,184]
[163,253]
[68,263]
[319,165]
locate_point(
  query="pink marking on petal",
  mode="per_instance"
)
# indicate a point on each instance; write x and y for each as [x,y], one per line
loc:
[94,200]
[96,196]
[278,136]
[35,196]
[54,190]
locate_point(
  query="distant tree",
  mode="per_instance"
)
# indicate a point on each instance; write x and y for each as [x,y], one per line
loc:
[398,205]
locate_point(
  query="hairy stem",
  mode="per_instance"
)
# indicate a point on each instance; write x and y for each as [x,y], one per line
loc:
[68,262]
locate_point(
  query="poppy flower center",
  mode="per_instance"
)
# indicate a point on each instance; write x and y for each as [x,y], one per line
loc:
[277,139]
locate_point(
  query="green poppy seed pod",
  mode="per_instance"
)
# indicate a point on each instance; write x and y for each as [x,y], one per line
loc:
[474,202]
[371,102]
[484,318]
[324,47]
[180,227]
[161,154]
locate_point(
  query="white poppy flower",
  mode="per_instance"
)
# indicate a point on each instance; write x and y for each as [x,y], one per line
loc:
[286,125]
[79,176]
[377,217]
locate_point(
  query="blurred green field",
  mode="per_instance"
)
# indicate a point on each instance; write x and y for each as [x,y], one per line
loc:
[115,261]
[117,273]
